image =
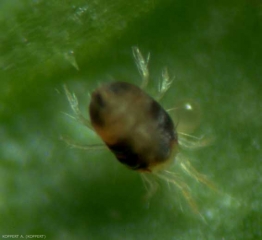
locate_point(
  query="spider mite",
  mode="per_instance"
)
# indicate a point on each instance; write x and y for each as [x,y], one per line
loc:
[138,130]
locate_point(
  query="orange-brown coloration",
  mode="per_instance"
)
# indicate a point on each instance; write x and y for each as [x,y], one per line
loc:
[133,125]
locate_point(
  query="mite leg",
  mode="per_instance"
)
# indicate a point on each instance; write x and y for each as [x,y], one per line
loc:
[150,185]
[182,186]
[192,172]
[72,99]
[142,64]
[72,144]
[164,84]
[191,142]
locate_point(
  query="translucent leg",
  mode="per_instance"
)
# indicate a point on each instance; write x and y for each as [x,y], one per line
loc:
[191,142]
[142,64]
[150,185]
[192,172]
[72,144]
[164,84]
[182,186]
[72,99]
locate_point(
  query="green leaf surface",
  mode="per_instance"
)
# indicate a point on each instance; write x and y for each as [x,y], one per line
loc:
[47,188]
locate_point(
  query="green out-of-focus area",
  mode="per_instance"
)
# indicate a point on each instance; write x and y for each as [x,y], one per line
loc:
[213,48]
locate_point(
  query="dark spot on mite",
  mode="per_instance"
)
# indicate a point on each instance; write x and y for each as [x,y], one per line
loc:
[164,120]
[125,154]
[99,100]
[165,127]
[96,107]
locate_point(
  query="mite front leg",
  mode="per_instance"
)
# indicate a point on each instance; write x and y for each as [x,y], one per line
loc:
[164,84]
[72,99]
[142,64]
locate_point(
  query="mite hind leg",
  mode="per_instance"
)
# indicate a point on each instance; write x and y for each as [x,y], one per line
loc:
[174,180]
[193,173]
[150,185]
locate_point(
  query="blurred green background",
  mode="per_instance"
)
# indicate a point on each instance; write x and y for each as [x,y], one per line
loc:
[213,48]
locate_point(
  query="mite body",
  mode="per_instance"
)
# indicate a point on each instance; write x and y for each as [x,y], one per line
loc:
[133,125]
[138,130]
